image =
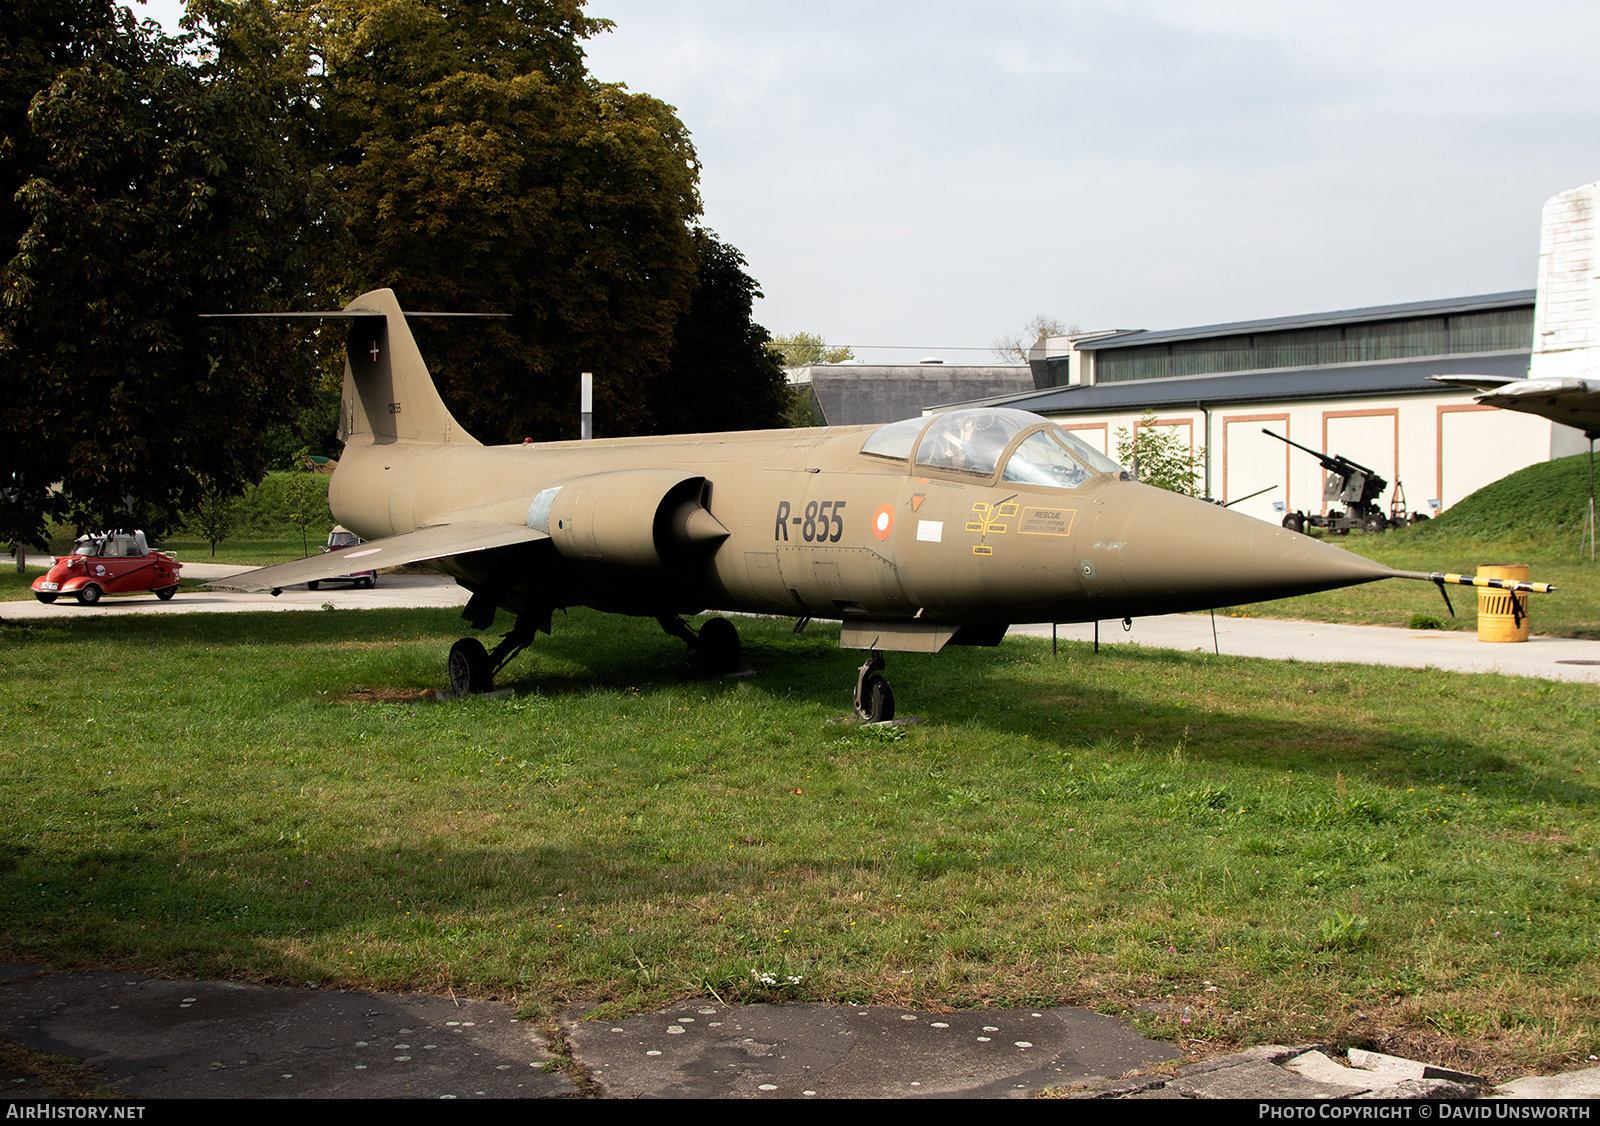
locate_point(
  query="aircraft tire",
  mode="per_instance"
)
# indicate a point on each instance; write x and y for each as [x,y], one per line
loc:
[470,673]
[718,646]
[89,595]
[45,598]
[877,699]
[166,593]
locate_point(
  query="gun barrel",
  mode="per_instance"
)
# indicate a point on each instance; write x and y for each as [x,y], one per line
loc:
[1333,463]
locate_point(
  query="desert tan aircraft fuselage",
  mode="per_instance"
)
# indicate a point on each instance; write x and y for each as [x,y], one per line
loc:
[922,533]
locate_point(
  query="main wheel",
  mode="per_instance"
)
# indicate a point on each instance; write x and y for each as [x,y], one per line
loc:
[89,595]
[877,699]
[166,593]
[470,673]
[718,646]
[45,598]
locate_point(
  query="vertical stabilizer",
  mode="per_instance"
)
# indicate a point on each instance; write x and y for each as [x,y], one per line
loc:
[388,394]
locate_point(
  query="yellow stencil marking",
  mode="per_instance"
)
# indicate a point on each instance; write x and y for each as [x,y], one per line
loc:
[989,518]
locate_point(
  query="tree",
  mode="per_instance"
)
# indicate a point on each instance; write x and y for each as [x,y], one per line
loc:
[1013,348]
[142,182]
[215,516]
[301,493]
[721,373]
[483,170]
[1159,457]
[801,349]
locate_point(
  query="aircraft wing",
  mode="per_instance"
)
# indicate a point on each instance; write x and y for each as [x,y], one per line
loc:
[1575,402]
[1475,382]
[432,542]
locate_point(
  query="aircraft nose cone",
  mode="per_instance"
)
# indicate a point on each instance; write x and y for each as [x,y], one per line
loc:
[1162,552]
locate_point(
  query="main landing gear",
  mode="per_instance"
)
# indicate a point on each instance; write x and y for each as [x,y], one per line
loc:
[473,668]
[874,698]
[717,643]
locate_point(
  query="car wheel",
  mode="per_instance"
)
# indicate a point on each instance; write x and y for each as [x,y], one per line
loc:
[89,595]
[45,598]
[312,586]
[166,593]
[370,581]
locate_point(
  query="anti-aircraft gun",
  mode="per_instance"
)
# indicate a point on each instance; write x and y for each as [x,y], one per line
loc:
[1348,483]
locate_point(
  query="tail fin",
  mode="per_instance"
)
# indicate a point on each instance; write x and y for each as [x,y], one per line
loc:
[388,394]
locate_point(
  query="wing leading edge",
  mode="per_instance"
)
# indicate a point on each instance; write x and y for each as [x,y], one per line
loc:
[433,542]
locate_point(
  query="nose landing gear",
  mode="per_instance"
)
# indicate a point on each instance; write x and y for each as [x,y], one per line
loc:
[874,698]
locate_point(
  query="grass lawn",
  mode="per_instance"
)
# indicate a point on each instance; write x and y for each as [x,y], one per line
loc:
[1228,850]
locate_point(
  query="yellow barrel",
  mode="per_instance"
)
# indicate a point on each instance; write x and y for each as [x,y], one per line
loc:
[1495,619]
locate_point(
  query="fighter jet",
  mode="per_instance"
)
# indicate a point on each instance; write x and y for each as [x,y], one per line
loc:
[916,535]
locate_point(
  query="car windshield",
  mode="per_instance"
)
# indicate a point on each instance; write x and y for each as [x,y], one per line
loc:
[87,546]
[343,539]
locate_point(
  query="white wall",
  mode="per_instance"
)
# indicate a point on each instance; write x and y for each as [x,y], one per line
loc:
[1440,446]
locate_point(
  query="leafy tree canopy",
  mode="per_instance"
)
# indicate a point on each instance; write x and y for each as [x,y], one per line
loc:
[799,349]
[142,182]
[483,171]
[721,373]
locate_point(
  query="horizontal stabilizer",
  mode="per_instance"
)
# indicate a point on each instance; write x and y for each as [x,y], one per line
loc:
[433,542]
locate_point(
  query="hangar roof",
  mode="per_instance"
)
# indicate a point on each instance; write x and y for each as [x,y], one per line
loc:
[1326,381]
[1481,304]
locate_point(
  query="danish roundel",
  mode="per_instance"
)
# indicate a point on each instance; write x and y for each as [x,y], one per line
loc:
[883,521]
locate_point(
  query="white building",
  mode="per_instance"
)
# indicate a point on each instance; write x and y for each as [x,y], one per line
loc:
[1353,382]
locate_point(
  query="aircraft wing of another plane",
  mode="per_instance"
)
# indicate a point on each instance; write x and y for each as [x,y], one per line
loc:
[434,542]
[1574,402]
[1475,382]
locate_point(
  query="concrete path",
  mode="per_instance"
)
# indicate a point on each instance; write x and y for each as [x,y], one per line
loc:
[149,1038]
[1549,658]
[392,592]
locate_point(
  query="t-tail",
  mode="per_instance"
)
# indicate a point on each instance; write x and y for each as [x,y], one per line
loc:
[388,394]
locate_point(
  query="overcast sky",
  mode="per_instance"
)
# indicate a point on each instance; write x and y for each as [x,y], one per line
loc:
[932,175]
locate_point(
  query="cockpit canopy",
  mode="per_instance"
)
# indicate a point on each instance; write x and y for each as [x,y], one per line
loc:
[976,441]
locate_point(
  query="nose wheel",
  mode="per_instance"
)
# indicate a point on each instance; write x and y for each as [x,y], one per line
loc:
[874,697]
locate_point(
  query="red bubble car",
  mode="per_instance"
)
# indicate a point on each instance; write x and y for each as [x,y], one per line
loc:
[109,563]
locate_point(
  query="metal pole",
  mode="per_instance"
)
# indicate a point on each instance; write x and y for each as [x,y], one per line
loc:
[1052,638]
[1591,503]
[586,406]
